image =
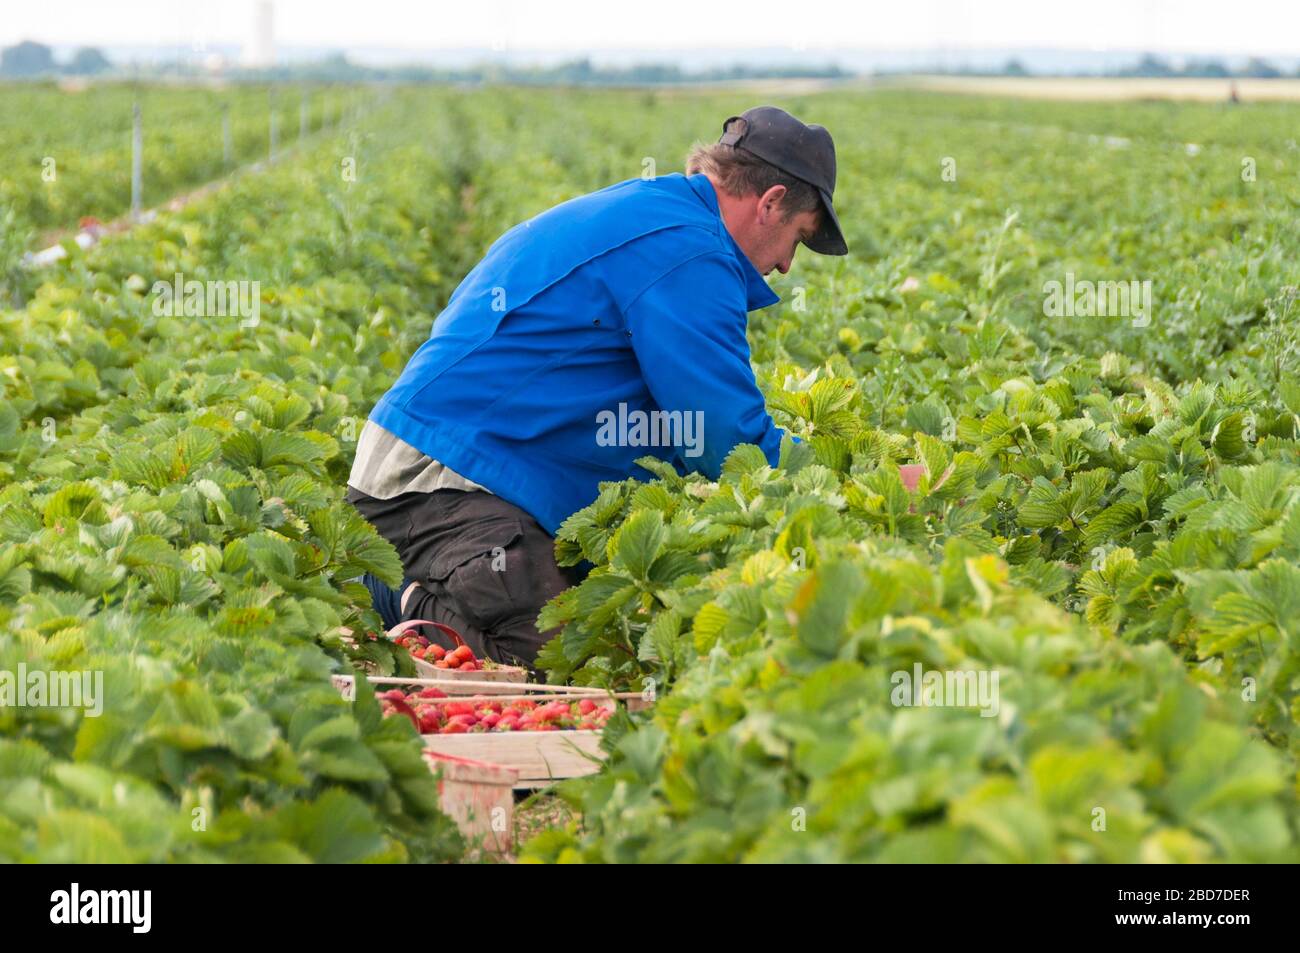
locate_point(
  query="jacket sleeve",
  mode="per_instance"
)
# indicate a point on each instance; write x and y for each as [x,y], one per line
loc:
[688,333]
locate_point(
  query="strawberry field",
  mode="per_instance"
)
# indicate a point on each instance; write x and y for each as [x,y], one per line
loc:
[1097,517]
[77,160]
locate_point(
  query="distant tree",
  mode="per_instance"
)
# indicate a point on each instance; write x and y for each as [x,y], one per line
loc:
[88,61]
[1211,69]
[1260,68]
[26,59]
[1151,65]
[1014,68]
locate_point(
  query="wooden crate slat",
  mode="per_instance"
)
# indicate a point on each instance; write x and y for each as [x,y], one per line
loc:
[449,677]
[537,755]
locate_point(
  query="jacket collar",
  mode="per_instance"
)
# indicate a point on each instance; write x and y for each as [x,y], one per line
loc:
[757,292]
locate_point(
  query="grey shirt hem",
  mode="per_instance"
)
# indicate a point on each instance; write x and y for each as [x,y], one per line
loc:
[386,466]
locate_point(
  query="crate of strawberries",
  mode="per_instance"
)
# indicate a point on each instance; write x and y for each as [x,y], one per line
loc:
[544,738]
[457,664]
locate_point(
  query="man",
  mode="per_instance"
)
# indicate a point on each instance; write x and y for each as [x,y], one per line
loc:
[620,307]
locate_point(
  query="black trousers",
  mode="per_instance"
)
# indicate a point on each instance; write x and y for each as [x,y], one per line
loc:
[485,567]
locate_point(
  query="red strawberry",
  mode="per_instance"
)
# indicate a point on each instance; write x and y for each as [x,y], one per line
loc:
[586,706]
[490,720]
[432,691]
[441,663]
[452,729]
[437,651]
[468,667]
[469,721]
[459,708]
[408,711]
[464,653]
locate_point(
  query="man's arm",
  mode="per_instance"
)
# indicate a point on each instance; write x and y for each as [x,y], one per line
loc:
[688,332]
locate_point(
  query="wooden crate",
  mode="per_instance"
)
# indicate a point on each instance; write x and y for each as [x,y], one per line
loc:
[539,757]
[511,674]
[478,796]
[509,677]
[635,701]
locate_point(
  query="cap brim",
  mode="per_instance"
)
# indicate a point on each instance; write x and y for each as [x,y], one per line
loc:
[829,239]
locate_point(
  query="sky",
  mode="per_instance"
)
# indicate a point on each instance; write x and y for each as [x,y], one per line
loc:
[1174,26]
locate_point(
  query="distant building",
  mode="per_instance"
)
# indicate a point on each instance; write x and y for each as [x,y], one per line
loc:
[260,53]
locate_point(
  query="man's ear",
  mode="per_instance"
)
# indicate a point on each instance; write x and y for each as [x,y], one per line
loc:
[769,204]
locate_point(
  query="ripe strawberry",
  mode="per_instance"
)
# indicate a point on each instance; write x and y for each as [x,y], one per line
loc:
[586,706]
[452,729]
[464,653]
[451,661]
[508,723]
[490,720]
[442,663]
[469,721]
[408,711]
[437,651]
[459,708]
[511,711]
[432,691]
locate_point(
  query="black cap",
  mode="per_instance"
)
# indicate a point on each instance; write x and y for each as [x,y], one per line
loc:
[805,152]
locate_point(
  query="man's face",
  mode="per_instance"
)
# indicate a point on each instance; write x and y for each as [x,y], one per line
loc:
[782,240]
[767,236]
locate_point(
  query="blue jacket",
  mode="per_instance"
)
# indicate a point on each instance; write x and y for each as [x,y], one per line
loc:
[608,328]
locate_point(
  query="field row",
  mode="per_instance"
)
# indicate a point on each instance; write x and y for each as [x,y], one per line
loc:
[76,161]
